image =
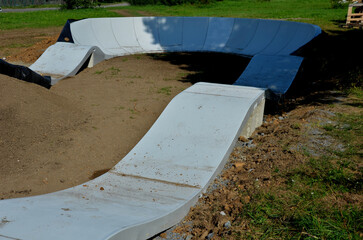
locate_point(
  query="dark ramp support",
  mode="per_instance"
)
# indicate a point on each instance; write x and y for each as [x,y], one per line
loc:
[23,73]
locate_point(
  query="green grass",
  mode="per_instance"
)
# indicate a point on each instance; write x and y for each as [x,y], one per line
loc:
[300,216]
[313,201]
[44,19]
[165,90]
[311,11]
[98,72]
[113,71]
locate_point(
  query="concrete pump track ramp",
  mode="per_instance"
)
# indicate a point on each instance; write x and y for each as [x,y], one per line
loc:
[155,184]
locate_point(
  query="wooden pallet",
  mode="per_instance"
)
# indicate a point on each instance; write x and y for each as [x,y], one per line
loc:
[355,18]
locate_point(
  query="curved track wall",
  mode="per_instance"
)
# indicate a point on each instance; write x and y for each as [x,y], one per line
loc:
[270,41]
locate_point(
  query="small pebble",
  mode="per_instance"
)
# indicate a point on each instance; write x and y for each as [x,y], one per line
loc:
[281,118]
[227,225]
[210,235]
[188,237]
[222,213]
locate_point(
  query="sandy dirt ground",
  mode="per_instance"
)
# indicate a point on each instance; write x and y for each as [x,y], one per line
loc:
[80,128]
[51,140]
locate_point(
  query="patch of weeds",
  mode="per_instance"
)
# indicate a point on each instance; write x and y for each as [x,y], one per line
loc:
[124,59]
[114,71]
[295,126]
[98,72]
[356,92]
[334,4]
[132,111]
[356,97]
[182,75]
[299,214]
[95,128]
[349,131]
[165,90]
[328,127]
[133,100]
[311,202]
[326,174]
[305,151]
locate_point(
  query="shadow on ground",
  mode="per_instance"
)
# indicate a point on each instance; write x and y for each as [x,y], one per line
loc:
[207,67]
[331,62]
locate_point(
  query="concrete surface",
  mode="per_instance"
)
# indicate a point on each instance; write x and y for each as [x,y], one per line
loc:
[247,37]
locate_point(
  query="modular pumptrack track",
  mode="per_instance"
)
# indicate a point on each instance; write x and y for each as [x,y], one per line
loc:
[157,182]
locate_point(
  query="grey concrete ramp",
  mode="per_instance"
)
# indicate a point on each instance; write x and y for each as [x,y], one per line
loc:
[73,56]
[123,36]
[219,31]
[154,186]
[194,33]
[147,33]
[171,33]
[265,32]
[270,72]
[242,34]
[124,32]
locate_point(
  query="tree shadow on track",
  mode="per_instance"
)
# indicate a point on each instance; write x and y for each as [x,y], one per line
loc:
[332,61]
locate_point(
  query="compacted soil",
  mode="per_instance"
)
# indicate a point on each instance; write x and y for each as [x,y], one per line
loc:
[80,128]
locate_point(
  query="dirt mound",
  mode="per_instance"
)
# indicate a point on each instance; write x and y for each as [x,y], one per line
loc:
[34,123]
[58,138]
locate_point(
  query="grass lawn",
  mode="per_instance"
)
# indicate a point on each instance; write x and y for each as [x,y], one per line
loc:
[317,12]
[311,11]
[44,19]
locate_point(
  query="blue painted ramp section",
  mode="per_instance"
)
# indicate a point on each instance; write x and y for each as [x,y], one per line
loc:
[271,72]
